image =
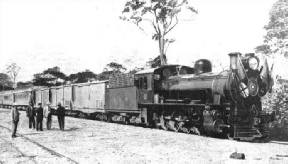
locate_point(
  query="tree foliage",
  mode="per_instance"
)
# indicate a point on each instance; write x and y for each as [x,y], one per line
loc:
[275,101]
[116,67]
[111,69]
[161,15]
[277,30]
[50,77]
[156,62]
[82,77]
[5,82]
[23,85]
[104,75]
[13,70]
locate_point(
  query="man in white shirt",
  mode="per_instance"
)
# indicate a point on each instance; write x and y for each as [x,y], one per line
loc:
[48,115]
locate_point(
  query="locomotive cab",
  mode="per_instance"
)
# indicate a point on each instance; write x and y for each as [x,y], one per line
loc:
[149,82]
[144,83]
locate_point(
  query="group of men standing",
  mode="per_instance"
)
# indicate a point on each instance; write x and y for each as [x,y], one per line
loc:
[38,113]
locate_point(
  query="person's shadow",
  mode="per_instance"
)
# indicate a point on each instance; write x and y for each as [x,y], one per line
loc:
[30,134]
[57,129]
[71,129]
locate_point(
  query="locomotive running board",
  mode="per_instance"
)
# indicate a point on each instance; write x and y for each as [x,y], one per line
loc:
[174,104]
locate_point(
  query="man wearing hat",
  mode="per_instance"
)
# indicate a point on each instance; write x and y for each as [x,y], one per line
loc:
[61,116]
[48,116]
[31,114]
[15,119]
[39,117]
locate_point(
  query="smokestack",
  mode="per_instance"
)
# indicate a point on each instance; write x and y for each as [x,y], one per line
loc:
[236,66]
[233,60]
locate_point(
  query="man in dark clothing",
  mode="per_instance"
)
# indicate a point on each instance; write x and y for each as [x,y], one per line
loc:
[15,119]
[30,114]
[61,116]
[39,117]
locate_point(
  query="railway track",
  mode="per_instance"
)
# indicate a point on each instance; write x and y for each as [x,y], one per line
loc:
[32,151]
[22,154]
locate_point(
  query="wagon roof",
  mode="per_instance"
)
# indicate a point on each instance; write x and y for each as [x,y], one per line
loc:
[23,90]
[93,82]
[7,92]
[39,87]
[87,83]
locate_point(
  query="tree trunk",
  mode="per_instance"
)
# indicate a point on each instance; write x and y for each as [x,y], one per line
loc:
[161,48]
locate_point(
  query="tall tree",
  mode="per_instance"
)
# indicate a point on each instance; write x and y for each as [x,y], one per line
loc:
[49,77]
[161,15]
[277,31]
[13,70]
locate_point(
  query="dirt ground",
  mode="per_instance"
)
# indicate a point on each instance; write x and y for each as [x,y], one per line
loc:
[88,141]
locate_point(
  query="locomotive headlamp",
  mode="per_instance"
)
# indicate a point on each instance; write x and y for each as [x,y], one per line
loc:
[253,63]
[253,86]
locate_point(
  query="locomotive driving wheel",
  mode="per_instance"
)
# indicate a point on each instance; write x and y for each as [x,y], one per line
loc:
[230,136]
[163,123]
[195,130]
[155,121]
[126,121]
[174,125]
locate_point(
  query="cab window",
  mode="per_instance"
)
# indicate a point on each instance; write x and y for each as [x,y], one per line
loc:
[141,83]
[136,81]
[145,83]
[149,78]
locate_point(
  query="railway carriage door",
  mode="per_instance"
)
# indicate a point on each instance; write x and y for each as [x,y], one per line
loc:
[53,98]
[59,92]
[45,97]
[67,96]
[73,97]
[38,97]
[86,96]
[145,88]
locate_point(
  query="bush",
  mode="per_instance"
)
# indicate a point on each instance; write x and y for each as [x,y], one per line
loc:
[275,102]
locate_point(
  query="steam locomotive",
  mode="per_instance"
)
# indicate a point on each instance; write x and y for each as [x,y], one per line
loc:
[171,97]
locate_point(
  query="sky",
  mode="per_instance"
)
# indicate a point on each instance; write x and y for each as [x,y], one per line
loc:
[87,34]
